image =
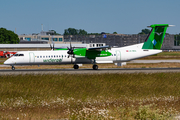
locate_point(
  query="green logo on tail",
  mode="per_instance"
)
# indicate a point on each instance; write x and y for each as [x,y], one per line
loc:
[156,36]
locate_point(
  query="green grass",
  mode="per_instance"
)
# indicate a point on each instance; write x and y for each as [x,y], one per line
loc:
[90,96]
[83,86]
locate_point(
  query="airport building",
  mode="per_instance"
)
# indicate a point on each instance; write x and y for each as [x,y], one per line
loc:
[43,38]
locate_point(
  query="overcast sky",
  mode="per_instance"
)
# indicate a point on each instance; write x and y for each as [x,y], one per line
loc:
[94,16]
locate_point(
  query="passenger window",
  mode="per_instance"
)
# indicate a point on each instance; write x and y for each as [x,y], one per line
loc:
[37,56]
[52,56]
[16,55]
[65,56]
[40,56]
[57,56]
[62,55]
[114,54]
[46,56]
[49,56]
[43,56]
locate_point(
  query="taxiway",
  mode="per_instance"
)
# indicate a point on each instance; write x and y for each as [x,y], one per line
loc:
[87,71]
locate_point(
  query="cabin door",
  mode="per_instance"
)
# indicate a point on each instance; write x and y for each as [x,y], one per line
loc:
[31,57]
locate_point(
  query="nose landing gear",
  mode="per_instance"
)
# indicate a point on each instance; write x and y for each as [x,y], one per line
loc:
[13,68]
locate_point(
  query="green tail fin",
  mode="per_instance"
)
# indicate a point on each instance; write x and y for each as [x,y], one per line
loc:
[155,37]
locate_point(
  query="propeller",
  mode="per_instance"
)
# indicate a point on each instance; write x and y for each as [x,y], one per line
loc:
[70,51]
[52,47]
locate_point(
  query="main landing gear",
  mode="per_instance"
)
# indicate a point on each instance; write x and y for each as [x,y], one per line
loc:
[76,67]
[95,67]
[13,68]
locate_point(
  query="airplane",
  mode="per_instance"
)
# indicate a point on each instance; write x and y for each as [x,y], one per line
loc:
[96,55]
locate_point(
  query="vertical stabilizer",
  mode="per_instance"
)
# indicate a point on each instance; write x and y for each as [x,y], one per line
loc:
[155,37]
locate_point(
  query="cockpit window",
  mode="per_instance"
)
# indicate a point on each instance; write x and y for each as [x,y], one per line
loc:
[19,55]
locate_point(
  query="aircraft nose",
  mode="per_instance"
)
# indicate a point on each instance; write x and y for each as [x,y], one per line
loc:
[8,62]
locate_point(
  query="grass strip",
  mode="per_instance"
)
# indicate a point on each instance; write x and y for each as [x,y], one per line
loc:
[82,86]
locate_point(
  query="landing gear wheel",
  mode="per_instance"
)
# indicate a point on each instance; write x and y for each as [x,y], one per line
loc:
[76,66]
[13,68]
[95,67]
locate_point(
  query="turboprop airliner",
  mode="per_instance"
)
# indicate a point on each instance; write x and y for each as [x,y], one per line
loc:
[104,54]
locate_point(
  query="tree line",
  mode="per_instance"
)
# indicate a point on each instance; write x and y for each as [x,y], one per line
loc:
[73,31]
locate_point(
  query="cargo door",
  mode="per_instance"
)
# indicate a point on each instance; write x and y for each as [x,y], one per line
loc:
[118,55]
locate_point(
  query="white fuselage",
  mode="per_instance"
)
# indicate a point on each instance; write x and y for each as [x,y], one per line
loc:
[122,54]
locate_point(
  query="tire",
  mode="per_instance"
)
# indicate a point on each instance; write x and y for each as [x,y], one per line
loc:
[13,68]
[76,67]
[95,67]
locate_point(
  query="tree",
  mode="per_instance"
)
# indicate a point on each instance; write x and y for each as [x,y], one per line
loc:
[114,32]
[145,31]
[70,31]
[82,32]
[73,31]
[8,37]
[54,32]
[94,33]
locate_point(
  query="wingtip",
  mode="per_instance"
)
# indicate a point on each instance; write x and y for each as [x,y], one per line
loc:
[171,25]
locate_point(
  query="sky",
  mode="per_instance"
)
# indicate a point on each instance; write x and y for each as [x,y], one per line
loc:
[94,16]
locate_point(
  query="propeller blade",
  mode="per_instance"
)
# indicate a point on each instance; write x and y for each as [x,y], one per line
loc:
[70,49]
[51,46]
[70,44]
[71,59]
